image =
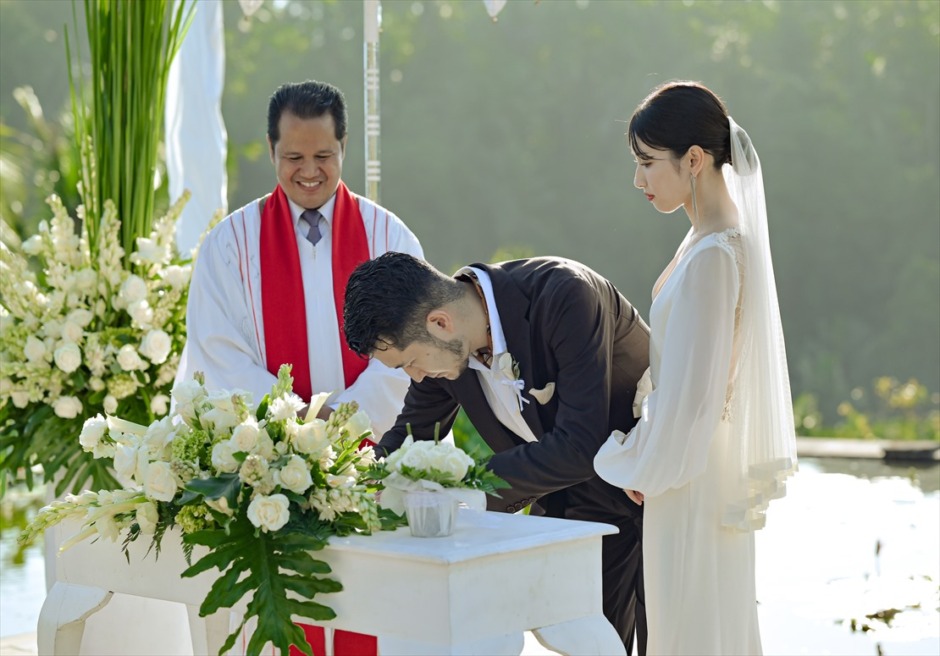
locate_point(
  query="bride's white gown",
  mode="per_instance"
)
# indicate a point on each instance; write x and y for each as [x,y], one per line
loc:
[699,574]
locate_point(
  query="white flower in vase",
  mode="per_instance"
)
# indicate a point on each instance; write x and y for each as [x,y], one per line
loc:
[156,346]
[67,407]
[295,475]
[68,357]
[269,513]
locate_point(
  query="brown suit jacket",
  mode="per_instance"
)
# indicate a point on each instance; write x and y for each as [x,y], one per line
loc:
[564,324]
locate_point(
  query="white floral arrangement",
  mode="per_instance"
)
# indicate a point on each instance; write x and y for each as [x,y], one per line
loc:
[261,489]
[434,465]
[85,330]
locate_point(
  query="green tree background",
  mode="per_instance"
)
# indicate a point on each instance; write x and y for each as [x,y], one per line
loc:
[509,135]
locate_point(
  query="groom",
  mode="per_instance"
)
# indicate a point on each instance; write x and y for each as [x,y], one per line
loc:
[544,356]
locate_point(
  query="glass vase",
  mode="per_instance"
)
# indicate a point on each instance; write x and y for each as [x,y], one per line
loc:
[431,513]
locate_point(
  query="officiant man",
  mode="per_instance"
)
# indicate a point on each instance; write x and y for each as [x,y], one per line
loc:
[544,355]
[268,283]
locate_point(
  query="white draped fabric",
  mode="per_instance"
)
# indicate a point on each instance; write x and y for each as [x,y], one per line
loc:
[195,133]
[225,323]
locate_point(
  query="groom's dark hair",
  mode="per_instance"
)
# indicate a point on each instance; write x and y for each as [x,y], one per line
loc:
[388,300]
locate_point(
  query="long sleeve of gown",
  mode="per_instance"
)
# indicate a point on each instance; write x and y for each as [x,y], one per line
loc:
[669,445]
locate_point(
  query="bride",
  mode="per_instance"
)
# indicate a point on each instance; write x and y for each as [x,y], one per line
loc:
[715,440]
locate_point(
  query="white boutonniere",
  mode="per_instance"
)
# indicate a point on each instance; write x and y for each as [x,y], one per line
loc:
[507,367]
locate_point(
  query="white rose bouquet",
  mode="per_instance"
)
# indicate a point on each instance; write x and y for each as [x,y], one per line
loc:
[262,490]
[435,466]
[85,330]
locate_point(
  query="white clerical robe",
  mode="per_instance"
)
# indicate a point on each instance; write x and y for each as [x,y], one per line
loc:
[225,323]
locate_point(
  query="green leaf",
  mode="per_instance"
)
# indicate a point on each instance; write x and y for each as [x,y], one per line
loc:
[226,485]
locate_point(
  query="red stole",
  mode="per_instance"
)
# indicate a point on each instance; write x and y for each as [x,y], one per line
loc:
[282,288]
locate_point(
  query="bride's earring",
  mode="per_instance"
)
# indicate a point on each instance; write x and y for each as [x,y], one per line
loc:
[694,203]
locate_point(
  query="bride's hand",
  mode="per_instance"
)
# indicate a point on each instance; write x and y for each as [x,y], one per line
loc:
[635,497]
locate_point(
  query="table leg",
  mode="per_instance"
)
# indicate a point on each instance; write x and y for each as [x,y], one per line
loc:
[208,633]
[588,636]
[62,618]
[510,644]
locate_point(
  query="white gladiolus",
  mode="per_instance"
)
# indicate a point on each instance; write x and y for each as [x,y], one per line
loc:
[149,251]
[359,424]
[35,349]
[160,404]
[223,457]
[68,357]
[147,517]
[156,346]
[177,277]
[125,463]
[129,359]
[133,289]
[159,435]
[295,475]
[86,280]
[159,481]
[81,317]
[269,513]
[110,404]
[67,407]
[92,432]
[33,245]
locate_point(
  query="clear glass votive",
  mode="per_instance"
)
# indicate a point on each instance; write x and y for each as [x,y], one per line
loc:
[431,514]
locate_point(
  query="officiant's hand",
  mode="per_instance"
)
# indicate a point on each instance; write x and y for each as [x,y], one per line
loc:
[635,497]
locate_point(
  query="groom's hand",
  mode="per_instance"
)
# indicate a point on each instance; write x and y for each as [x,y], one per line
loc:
[635,497]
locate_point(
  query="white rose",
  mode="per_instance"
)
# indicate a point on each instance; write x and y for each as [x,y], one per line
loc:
[159,481]
[188,392]
[147,517]
[96,384]
[67,407]
[134,289]
[269,513]
[110,404]
[455,463]
[156,346]
[68,357]
[129,359]
[359,424]
[417,457]
[245,436]
[35,349]
[160,404]
[265,447]
[20,398]
[177,277]
[92,431]
[311,437]
[223,457]
[295,475]
[72,332]
[140,312]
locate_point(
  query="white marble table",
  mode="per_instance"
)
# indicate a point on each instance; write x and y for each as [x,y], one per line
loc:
[472,593]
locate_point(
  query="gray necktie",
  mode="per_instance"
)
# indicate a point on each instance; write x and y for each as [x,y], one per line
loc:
[312,217]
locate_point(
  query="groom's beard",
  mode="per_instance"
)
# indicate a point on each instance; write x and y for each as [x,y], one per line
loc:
[459,349]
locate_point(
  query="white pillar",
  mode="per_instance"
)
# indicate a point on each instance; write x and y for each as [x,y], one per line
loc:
[372,21]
